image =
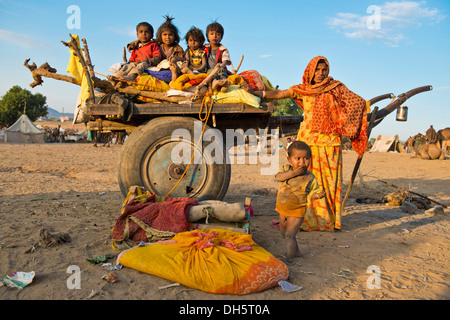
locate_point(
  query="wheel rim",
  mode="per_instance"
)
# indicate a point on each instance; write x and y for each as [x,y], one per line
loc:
[160,174]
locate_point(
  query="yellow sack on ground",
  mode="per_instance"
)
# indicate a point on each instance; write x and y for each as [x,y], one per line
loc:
[235,94]
[211,260]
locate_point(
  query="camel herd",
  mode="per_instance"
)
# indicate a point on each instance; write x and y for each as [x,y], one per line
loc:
[433,145]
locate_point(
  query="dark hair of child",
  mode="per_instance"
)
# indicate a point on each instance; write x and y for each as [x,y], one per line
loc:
[145,24]
[168,25]
[215,26]
[298,145]
[196,34]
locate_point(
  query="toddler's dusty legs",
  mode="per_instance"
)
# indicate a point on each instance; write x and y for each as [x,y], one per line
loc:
[289,227]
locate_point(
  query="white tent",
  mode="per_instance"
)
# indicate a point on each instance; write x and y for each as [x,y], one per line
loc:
[24,131]
[387,144]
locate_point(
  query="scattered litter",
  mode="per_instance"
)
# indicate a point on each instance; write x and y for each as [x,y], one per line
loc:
[101,193]
[343,246]
[435,210]
[115,267]
[111,277]
[405,231]
[341,274]
[408,207]
[99,259]
[17,279]
[176,284]
[92,294]
[46,239]
[289,287]
[309,272]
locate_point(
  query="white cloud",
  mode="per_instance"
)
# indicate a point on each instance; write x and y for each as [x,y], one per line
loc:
[265,56]
[387,22]
[445,88]
[21,40]
[126,31]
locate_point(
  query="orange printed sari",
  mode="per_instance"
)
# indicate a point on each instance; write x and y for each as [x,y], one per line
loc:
[330,111]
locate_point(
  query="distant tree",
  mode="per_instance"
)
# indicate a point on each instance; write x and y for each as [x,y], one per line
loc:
[18,100]
[286,107]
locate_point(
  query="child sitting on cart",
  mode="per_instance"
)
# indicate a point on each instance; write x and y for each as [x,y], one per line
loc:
[217,53]
[144,53]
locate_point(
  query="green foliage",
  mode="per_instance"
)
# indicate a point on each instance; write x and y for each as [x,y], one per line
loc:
[287,107]
[16,100]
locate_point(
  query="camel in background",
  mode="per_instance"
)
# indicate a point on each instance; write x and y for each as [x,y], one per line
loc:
[443,140]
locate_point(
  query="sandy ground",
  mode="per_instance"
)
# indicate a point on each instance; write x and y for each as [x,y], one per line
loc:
[72,188]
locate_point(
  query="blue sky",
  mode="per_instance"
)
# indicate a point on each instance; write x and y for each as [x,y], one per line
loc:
[374,47]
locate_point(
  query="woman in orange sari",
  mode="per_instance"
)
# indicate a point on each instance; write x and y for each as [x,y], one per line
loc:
[330,112]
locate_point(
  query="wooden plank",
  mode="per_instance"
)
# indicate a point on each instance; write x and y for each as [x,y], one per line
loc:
[171,108]
[107,125]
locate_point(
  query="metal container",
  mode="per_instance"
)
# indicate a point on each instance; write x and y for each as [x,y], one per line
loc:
[402,113]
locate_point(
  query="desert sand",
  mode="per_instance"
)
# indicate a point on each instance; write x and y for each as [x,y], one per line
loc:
[72,188]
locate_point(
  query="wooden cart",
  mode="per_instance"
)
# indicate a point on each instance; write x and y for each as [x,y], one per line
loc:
[147,156]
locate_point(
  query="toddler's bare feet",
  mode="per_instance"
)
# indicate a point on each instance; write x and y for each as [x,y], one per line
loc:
[288,261]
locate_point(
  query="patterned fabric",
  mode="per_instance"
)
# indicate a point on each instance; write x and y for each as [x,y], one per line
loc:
[336,109]
[186,81]
[253,79]
[331,111]
[144,219]
[324,214]
[146,82]
[196,58]
[213,260]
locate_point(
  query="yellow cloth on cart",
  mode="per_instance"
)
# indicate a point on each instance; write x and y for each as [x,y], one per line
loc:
[75,68]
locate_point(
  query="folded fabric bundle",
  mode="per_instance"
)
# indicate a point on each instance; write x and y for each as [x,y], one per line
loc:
[235,94]
[185,81]
[145,219]
[253,79]
[164,75]
[211,260]
[146,82]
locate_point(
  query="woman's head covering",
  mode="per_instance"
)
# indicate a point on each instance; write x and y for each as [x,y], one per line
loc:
[336,109]
[310,70]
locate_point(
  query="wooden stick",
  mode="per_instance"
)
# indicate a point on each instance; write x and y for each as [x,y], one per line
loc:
[124,55]
[358,161]
[235,71]
[87,56]
[37,73]
[415,193]
[207,80]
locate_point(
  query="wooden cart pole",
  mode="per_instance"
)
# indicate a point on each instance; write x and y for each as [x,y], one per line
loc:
[358,161]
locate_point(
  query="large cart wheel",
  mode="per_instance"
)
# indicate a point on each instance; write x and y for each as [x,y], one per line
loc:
[146,160]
